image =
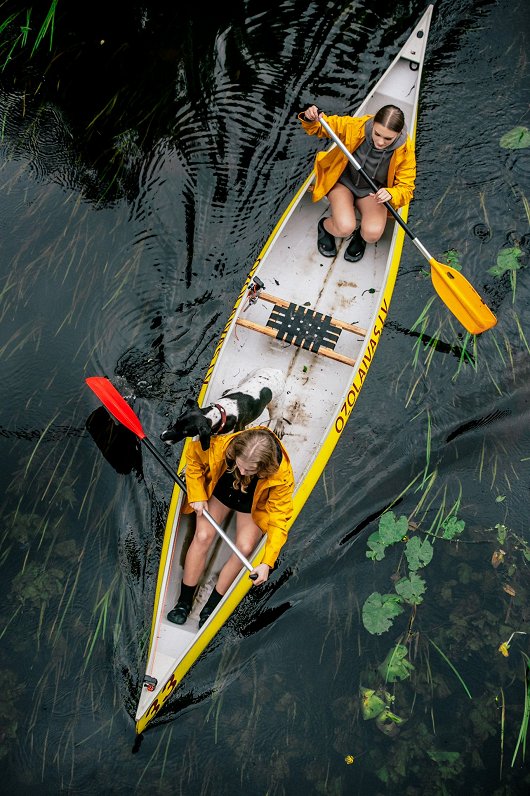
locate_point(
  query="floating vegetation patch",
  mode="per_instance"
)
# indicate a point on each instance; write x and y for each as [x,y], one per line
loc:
[431,659]
[379,610]
[508,259]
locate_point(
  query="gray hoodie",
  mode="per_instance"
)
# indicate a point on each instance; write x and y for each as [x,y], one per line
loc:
[374,162]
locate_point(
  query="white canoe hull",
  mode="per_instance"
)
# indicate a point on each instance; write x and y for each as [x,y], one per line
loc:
[321,391]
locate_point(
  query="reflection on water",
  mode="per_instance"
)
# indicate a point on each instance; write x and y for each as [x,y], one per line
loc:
[144,160]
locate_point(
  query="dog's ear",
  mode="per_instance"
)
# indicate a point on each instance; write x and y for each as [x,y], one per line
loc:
[172,434]
[205,432]
[191,403]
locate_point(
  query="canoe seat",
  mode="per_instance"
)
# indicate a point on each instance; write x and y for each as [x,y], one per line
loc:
[304,327]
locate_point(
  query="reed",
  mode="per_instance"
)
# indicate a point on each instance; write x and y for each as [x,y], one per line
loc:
[523,730]
[428,450]
[521,333]
[48,24]
[503,719]
[446,659]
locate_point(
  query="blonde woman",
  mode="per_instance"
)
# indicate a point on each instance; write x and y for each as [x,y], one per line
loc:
[250,473]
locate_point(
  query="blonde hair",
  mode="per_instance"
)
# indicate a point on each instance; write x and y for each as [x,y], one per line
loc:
[259,448]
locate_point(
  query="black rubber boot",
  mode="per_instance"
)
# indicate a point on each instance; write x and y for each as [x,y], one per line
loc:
[356,247]
[213,601]
[179,613]
[325,241]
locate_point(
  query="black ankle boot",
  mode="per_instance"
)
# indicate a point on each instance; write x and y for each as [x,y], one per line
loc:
[325,241]
[356,247]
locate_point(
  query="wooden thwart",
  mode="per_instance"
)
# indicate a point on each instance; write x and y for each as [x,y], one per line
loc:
[304,339]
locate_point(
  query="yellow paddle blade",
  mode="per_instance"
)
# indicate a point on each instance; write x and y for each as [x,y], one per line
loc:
[461,298]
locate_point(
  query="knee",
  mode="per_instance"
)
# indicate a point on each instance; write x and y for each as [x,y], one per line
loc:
[344,229]
[203,537]
[246,547]
[371,233]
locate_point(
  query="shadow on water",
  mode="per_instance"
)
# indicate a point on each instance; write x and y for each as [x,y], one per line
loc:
[120,447]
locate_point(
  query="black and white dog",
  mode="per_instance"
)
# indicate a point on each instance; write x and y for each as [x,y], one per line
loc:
[235,409]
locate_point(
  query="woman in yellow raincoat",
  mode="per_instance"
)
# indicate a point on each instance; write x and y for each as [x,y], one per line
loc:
[383,148]
[250,473]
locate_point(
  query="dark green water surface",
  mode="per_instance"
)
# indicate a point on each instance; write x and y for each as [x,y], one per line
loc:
[146,153]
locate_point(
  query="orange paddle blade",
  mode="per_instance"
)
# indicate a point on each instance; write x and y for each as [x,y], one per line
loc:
[117,406]
[461,298]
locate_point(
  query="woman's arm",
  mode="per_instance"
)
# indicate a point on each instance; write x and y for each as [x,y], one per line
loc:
[404,179]
[196,469]
[280,511]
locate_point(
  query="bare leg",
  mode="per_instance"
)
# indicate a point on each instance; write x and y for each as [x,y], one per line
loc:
[373,218]
[342,221]
[247,537]
[201,542]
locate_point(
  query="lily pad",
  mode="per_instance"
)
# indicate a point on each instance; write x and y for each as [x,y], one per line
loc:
[419,553]
[507,260]
[396,666]
[518,138]
[390,531]
[411,589]
[379,611]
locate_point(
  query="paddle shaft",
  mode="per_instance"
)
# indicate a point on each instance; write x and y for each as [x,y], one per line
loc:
[147,442]
[374,187]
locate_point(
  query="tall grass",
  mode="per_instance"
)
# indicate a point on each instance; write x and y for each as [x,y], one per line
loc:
[11,38]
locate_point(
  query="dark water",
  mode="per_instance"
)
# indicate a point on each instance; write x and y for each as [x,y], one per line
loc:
[145,158]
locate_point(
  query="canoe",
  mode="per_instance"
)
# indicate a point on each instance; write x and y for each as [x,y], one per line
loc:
[289,281]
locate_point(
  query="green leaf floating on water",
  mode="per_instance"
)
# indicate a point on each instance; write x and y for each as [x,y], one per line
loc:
[396,666]
[411,589]
[371,704]
[452,527]
[452,259]
[518,138]
[507,260]
[379,611]
[390,531]
[418,552]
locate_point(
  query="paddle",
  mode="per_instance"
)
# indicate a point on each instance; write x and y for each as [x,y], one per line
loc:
[453,288]
[120,409]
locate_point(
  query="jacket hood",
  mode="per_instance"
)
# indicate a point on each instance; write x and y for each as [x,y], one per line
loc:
[400,140]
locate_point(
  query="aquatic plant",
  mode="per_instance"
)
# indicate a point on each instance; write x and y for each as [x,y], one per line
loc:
[523,730]
[36,585]
[10,692]
[396,666]
[504,647]
[379,610]
[517,138]
[20,36]
[508,261]
[453,668]
[376,705]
